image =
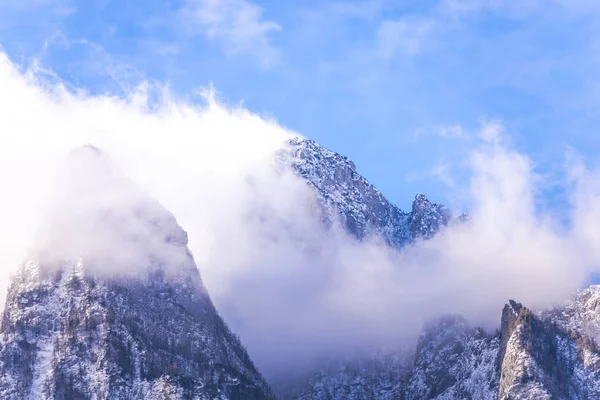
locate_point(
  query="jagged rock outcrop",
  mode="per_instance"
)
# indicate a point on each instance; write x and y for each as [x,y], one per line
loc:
[427,218]
[110,304]
[539,359]
[550,355]
[359,206]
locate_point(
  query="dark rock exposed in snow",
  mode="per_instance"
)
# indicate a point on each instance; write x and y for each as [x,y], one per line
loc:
[539,359]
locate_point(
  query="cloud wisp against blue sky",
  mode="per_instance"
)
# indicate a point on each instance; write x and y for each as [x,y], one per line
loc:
[396,86]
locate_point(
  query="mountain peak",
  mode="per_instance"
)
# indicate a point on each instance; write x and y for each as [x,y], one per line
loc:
[88,156]
[421,198]
[514,307]
[361,209]
[98,214]
[111,305]
[427,218]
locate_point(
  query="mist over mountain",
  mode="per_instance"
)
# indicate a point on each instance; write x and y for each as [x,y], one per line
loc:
[325,281]
[531,356]
[110,305]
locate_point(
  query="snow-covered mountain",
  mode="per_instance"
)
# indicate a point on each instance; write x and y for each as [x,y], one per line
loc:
[359,206]
[552,355]
[110,305]
[549,355]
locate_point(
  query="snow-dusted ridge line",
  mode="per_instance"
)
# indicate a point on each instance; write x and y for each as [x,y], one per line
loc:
[360,207]
[549,355]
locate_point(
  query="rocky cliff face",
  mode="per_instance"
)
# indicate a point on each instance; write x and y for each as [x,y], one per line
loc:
[110,304]
[361,209]
[581,314]
[539,359]
[550,355]
[454,361]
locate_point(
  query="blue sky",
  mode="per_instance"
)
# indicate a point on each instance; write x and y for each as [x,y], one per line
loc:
[398,86]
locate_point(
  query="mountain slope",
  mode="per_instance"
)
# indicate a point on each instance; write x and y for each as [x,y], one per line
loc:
[545,356]
[540,359]
[453,361]
[360,207]
[110,304]
[382,375]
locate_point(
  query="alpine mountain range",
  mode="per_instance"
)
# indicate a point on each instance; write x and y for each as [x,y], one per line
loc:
[149,330]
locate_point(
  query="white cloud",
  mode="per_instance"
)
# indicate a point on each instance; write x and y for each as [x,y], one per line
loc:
[442,172]
[413,34]
[407,35]
[492,132]
[238,26]
[452,131]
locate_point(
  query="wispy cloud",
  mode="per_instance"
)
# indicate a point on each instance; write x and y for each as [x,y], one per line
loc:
[410,34]
[407,35]
[441,171]
[449,131]
[238,26]
[452,131]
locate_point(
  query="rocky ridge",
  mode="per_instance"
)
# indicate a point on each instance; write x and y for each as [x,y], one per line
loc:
[533,356]
[361,209]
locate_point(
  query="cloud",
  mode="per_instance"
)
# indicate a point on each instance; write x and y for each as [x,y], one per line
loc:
[411,34]
[290,288]
[441,171]
[452,131]
[238,26]
[407,35]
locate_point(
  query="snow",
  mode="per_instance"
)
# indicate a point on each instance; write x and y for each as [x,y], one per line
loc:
[74,330]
